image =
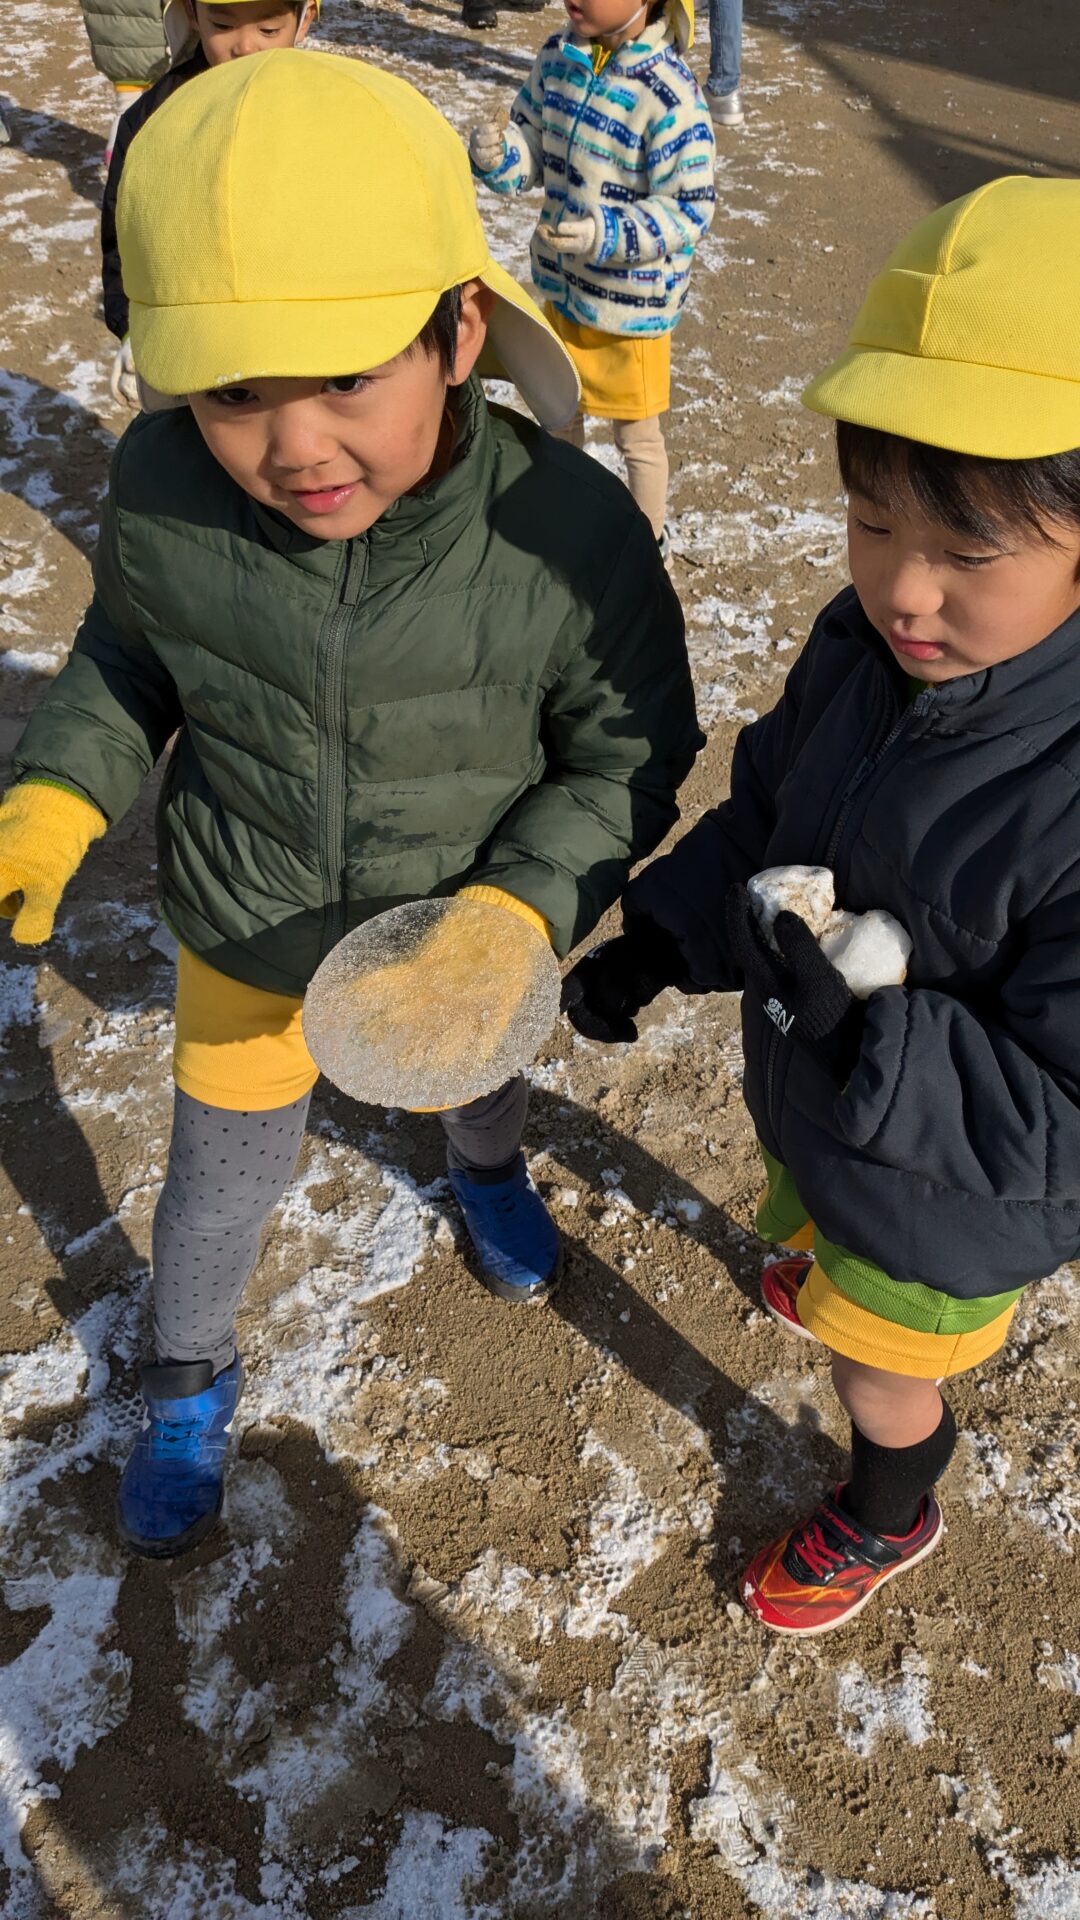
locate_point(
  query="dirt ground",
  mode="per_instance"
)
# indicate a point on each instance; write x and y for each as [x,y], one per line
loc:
[469,1640]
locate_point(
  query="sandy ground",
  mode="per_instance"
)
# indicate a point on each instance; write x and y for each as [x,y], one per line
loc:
[468,1642]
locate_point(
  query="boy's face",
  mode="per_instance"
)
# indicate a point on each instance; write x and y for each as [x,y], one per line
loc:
[334,454]
[228,31]
[948,606]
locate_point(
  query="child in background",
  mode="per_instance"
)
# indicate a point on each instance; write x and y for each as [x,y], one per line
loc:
[722,89]
[482,15]
[924,1142]
[200,34]
[128,46]
[409,646]
[612,124]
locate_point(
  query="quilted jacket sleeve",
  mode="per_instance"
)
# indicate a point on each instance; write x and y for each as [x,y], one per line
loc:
[678,209]
[109,713]
[127,39]
[684,891]
[620,734]
[114,299]
[985,1100]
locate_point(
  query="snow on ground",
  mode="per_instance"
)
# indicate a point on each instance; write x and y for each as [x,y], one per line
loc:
[318,1748]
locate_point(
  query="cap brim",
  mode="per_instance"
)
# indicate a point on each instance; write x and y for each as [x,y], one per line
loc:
[192,349]
[994,413]
[522,346]
[182,350]
[680,14]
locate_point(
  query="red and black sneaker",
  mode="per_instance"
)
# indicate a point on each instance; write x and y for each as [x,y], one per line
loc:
[780,1283]
[823,1572]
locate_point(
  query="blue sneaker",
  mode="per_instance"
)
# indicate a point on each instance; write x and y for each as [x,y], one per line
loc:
[172,1487]
[513,1233]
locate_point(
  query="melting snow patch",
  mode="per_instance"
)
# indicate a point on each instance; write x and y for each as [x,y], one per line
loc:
[746,1832]
[73,1367]
[201,1885]
[429,1872]
[307,1767]
[626,1533]
[773,532]
[788,393]
[379,1623]
[1061,1676]
[16,999]
[726,1818]
[1050,1892]
[1047,1496]
[987,1467]
[68,1688]
[307,1352]
[866,1711]
[379,1237]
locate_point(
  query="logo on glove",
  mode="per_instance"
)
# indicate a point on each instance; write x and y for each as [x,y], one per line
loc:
[782,1020]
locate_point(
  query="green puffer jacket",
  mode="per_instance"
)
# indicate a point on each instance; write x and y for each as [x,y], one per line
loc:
[490,685]
[127,39]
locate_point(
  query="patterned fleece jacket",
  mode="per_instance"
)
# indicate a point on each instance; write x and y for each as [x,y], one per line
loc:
[633,146]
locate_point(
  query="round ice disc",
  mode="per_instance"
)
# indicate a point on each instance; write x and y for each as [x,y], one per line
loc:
[432,1004]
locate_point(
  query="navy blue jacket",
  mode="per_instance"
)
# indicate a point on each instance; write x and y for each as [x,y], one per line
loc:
[952,1157]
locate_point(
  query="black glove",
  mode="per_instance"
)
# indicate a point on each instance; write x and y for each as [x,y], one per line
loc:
[803,994]
[601,995]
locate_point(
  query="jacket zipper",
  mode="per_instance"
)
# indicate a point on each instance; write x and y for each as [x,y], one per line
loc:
[586,97]
[330,721]
[865,768]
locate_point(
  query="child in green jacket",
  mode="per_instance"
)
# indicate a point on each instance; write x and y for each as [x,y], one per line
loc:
[408,644]
[127,45]
[200,35]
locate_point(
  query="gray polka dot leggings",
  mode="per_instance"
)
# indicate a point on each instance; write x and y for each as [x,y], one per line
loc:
[227,1171]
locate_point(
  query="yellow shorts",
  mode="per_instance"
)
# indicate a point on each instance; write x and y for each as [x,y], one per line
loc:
[623,376]
[237,1046]
[856,1309]
[855,1331]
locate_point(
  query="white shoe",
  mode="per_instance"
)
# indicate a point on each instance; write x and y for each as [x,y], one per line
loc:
[726,108]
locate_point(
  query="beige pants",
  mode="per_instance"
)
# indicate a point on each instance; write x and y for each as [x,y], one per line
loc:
[641,443]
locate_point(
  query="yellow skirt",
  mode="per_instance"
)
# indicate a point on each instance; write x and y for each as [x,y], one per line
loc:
[237,1046]
[623,376]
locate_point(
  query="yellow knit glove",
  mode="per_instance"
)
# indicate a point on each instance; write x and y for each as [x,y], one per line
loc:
[44,833]
[495,897]
[462,985]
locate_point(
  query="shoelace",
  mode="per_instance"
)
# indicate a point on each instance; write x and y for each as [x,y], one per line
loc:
[176,1438]
[504,1203]
[813,1548]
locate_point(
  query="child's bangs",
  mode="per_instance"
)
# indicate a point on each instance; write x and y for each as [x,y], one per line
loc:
[985,501]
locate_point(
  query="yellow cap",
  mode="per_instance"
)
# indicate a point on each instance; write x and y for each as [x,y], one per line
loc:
[299,215]
[969,338]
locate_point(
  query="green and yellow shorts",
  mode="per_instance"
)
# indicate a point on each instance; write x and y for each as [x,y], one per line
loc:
[854,1308]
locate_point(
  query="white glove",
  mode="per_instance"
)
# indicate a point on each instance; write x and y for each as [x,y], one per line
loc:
[575,234]
[487,146]
[123,380]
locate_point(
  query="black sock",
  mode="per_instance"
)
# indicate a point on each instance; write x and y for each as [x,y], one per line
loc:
[491,1176]
[887,1483]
